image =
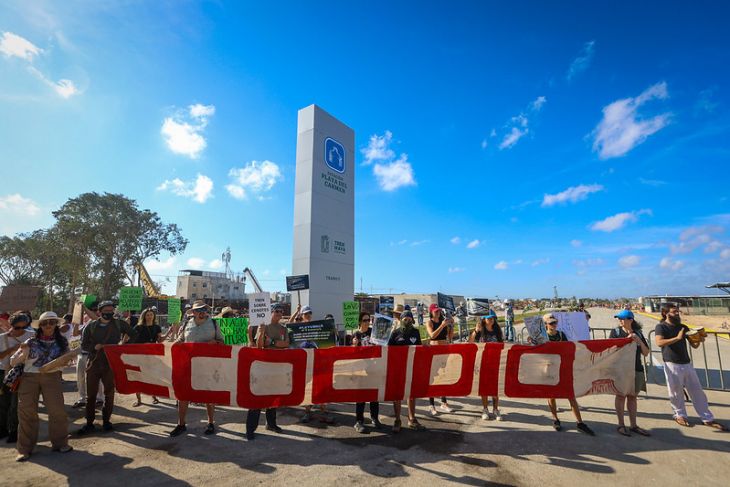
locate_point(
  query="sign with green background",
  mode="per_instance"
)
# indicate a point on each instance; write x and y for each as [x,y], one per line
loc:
[173,310]
[130,299]
[351,314]
[234,330]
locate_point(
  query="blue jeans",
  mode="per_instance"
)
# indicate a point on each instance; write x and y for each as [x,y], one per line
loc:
[509,330]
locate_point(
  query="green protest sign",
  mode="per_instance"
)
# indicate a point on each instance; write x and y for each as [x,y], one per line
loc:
[351,314]
[173,310]
[88,299]
[234,330]
[130,299]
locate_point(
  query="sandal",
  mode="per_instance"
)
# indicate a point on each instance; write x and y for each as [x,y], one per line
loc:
[716,425]
[137,404]
[155,400]
[396,426]
[623,431]
[681,421]
[415,425]
[640,431]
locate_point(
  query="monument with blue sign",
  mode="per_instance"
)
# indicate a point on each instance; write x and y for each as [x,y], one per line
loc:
[324,212]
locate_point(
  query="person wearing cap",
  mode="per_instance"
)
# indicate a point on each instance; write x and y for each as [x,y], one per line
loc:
[272,336]
[89,314]
[10,342]
[555,335]
[107,330]
[305,314]
[199,329]
[670,336]
[488,331]
[509,321]
[47,345]
[361,338]
[419,313]
[630,328]
[440,332]
[405,335]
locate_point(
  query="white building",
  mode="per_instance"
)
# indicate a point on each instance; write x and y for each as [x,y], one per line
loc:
[194,284]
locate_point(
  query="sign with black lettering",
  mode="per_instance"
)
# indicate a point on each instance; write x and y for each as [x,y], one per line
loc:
[297,283]
[312,334]
[386,304]
[445,302]
[259,309]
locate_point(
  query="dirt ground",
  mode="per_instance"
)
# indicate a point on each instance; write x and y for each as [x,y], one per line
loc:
[458,448]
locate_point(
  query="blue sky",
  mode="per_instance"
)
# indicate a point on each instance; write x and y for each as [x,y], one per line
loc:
[501,150]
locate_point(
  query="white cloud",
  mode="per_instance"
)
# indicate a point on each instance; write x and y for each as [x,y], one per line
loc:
[572,194]
[256,177]
[484,143]
[196,262]
[538,103]
[13,45]
[419,242]
[576,243]
[621,130]
[65,88]
[215,264]
[378,148]
[473,244]
[694,237]
[652,182]
[183,138]
[201,111]
[628,261]
[670,264]
[16,204]
[512,137]
[455,240]
[160,265]
[615,222]
[453,270]
[199,190]
[394,175]
[501,265]
[583,60]
[725,254]
[713,247]
[539,262]
[518,125]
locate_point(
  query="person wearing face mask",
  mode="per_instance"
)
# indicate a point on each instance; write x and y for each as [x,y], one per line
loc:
[199,329]
[10,343]
[405,335]
[98,333]
[670,336]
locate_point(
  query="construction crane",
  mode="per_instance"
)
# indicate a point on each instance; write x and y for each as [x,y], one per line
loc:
[150,288]
[257,287]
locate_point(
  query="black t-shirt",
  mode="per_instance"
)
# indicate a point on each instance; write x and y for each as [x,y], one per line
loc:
[363,336]
[488,336]
[146,334]
[675,353]
[558,337]
[444,333]
[619,332]
[409,336]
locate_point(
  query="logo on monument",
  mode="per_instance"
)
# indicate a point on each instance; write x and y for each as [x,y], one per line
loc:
[325,244]
[334,155]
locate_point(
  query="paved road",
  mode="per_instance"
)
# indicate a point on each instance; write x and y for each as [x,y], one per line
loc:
[459,448]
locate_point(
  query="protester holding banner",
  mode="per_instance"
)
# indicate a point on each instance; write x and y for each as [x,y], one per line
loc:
[271,336]
[488,331]
[555,335]
[360,338]
[89,314]
[305,315]
[671,337]
[9,344]
[47,345]
[107,330]
[199,329]
[630,328]
[148,331]
[405,335]
[440,331]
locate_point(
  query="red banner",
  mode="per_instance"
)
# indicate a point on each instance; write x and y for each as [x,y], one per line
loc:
[253,379]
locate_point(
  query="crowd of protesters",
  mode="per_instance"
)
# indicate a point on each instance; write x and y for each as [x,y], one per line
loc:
[32,359]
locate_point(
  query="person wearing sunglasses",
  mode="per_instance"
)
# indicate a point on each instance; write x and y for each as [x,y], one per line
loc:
[47,345]
[9,344]
[272,336]
[360,338]
[199,329]
[630,328]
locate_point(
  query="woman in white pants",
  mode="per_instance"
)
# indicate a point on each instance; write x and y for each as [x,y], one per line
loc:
[678,369]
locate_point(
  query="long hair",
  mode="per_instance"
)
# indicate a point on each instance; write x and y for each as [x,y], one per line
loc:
[635,325]
[57,335]
[142,320]
[362,313]
[665,309]
[483,328]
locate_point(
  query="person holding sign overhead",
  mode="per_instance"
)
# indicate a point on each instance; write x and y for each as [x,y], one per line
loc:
[555,335]
[199,329]
[271,336]
[440,331]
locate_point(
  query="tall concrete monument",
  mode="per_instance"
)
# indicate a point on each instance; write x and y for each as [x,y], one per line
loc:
[324,212]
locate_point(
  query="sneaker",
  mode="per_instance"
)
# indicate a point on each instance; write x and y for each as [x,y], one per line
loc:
[274,428]
[12,437]
[415,425]
[444,408]
[107,426]
[210,429]
[376,423]
[556,425]
[496,415]
[63,449]
[485,415]
[22,457]
[250,436]
[432,411]
[583,428]
[85,429]
[306,418]
[179,429]
[81,403]
[359,427]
